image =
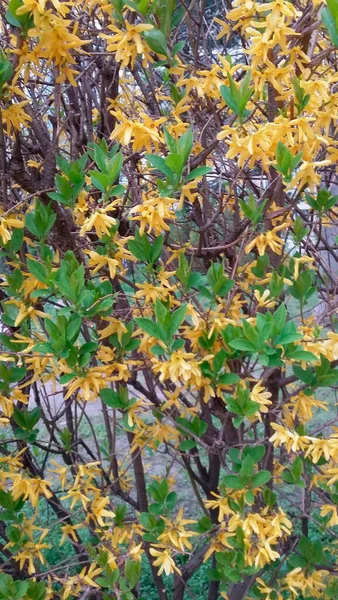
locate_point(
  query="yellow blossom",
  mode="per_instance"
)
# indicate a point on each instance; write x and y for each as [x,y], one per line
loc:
[100,221]
[128,44]
[261,396]
[163,560]
[182,366]
[99,261]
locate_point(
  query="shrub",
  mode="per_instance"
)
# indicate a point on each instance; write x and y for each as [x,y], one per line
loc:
[168,303]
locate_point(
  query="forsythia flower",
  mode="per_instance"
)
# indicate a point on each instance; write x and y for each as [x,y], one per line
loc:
[99,261]
[263,300]
[330,509]
[100,221]
[182,366]
[142,135]
[163,560]
[153,213]
[222,504]
[99,510]
[269,239]
[261,396]
[31,488]
[15,118]
[6,225]
[128,44]
[175,533]
[299,580]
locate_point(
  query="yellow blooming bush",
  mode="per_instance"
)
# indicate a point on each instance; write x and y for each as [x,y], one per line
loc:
[168,302]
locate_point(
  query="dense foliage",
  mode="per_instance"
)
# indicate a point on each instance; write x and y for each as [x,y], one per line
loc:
[168,300]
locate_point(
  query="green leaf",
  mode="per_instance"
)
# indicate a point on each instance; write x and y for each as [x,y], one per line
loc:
[170,141]
[156,41]
[243,345]
[247,468]
[232,482]
[228,378]
[16,374]
[184,145]
[256,452]
[150,327]
[132,571]
[187,445]
[112,398]
[24,22]
[197,173]
[161,312]
[13,533]
[288,477]
[100,180]
[176,319]
[260,478]
[297,467]
[157,162]
[156,249]
[175,163]
[6,70]
[37,269]
[330,24]
[288,338]
[178,47]
[114,167]
[302,355]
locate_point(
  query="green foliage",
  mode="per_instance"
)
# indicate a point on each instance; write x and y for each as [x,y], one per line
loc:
[237,98]
[40,221]
[286,161]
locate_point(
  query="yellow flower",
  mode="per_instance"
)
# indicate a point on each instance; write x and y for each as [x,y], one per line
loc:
[150,292]
[222,504]
[269,239]
[308,583]
[87,576]
[262,554]
[31,551]
[39,6]
[100,221]
[292,440]
[89,385]
[321,447]
[31,488]
[70,531]
[115,326]
[308,174]
[225,31]
[264,299]
[140,134]
[163,560]
[176,534]
[61,472]
[220,541]
[300,261]
[27,311]
[261,396]
[76,495]
[152,214]
[327,509]
[128,44]
[182,366]
[99,261]
[301,406]
[265,589]
[14,117]
[6,225]
[99,510]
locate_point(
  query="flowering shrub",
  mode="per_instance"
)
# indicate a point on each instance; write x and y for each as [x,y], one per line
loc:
[168,301]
